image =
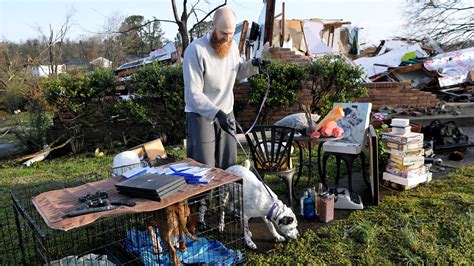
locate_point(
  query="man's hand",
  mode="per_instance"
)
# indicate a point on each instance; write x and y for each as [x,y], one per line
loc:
[260,62]
[227,124]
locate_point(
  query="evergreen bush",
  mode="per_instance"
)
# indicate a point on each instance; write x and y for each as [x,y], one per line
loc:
[333,80]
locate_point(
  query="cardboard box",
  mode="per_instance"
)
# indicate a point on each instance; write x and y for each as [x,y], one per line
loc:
[404,167]
[406,153]
[401,130]
[408,182]
[342,147]
[406,173]
[150,150]
[405,147]
[407,160]
[411,137]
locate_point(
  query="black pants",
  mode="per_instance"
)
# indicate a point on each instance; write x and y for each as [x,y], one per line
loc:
[207,143]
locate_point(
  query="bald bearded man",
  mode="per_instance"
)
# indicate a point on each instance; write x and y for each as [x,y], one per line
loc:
[211,66]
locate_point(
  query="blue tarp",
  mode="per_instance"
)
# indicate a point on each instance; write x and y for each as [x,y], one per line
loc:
[203,250]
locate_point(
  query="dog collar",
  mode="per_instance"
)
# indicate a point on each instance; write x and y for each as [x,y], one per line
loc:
[270,212]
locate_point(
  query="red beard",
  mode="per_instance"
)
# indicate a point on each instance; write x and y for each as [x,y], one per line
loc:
[222,47]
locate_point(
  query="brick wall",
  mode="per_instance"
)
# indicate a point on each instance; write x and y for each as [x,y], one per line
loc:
[247,116]
[249,113]
[395,94]
[288,56]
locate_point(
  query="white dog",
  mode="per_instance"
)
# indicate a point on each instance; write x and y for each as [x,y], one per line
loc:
[257,202]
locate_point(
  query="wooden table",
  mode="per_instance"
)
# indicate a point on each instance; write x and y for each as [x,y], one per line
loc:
[54,205]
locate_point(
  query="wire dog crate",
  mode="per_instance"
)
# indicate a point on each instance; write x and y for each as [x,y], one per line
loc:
[136,238]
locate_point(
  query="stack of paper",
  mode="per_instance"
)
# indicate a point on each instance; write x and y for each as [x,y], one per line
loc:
[406,162]
[193,174]
[179,167]
[135,172]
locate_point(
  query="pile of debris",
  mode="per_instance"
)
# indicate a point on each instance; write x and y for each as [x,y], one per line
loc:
[440,108]
[448,75]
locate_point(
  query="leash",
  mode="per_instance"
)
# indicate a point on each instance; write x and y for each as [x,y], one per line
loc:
[234,135]
[252,165]
[264,71]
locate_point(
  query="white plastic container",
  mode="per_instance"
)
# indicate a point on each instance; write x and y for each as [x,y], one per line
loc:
[305,195]
[400,122]
[401,130]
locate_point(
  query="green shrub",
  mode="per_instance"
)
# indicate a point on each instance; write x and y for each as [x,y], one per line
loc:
[285,79]
[333,80]
[30,127]
[79,93]
[155,108]
[87,97]
[14,96]
[159,99]
[34,136]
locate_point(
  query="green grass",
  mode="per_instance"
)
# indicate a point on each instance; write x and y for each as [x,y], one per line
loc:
[42,172]
[432,224]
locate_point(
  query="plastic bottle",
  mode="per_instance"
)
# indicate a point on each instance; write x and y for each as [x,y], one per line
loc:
[318,198]
[305,195]
[327,208]
[308,207]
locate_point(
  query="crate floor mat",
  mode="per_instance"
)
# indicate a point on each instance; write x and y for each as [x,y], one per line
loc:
[206,251]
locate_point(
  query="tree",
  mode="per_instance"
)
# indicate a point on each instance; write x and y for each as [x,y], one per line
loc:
[139,37]
[182,21]
[448,22]
[111,44]
[201,29]
[130,37]
[152,35]
[54,42]
[12,85]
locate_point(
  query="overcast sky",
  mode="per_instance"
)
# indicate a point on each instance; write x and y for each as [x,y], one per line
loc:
[20,19]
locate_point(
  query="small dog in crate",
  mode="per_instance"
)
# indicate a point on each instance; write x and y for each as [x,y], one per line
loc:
[257,202]
[173,222]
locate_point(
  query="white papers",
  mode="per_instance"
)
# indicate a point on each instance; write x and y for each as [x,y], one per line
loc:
[135,172]
[180,167]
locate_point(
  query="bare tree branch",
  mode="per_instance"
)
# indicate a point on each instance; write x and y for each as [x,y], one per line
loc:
[145,24]
[192,9]
[450,22]
[184,15]
[175,10]
[212,11]
[180,21]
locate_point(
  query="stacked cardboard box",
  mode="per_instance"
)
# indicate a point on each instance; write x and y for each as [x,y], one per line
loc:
[406,156]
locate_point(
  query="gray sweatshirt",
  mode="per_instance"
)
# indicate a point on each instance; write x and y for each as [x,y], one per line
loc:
[209,80]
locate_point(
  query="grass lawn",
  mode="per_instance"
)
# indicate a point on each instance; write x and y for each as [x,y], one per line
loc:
[429,224]
[432,224]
